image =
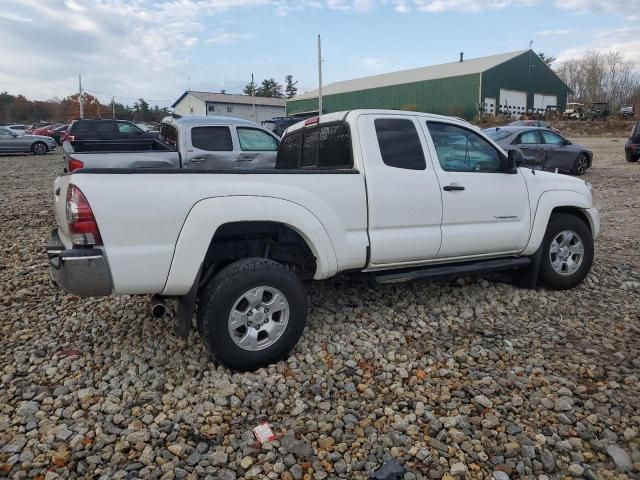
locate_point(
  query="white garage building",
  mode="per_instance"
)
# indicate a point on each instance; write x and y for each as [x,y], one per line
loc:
[255,109]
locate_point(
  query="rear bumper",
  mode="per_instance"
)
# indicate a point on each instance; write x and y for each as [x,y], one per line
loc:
[79,271]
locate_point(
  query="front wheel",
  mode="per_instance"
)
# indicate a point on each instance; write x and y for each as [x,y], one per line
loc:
[581,165]
[567,252]
[252,313]
[39,148]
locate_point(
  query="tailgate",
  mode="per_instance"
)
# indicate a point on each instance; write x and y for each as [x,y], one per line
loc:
[60,186]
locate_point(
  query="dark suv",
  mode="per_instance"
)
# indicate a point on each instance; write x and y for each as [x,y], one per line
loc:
[632,147]
[94,129]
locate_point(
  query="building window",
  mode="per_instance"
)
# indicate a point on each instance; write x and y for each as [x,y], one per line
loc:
[212,108]
[229,108]
[191,109]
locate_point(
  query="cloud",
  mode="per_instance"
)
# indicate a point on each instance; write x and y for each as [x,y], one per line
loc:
[554,33]
[625,40]
[14,17]
[627,8]
[464,6]
[225,38]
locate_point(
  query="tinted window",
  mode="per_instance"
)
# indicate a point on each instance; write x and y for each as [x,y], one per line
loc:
[252,139]
[105,129]
[335,147]
[212,139]
[399,143]
[289,151]
[127,128]
[81,128]
[309,148]
[462,150]
[529,138]
[552,138]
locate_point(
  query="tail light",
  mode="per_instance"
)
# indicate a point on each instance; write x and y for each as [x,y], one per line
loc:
[75,164]
[69,138]
[82,224]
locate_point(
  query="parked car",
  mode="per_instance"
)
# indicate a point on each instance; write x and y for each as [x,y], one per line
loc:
[18,127]
[35,126]
[57,132]
[279,124]
[597,111]
[533,123]
[574,111]
[543,149]
[108,129]
[627,112]
[632,147]
[238,243]
[200,143]
[47,131]
[13,141]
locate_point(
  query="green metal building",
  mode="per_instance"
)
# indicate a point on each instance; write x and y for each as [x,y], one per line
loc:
[516,82]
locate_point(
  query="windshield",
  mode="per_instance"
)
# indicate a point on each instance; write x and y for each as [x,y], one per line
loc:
[496,135]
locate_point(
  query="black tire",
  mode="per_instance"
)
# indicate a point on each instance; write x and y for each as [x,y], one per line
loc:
[581,164]
[630,157]
[39,148]
[219,297]
[558,224]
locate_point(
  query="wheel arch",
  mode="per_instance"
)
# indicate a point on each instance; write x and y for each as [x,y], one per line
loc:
[213,218]
[556,202]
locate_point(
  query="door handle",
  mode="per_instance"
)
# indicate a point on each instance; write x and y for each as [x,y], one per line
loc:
[453,188]
[197,160]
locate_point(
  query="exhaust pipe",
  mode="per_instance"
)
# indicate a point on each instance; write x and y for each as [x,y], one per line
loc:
[158,307]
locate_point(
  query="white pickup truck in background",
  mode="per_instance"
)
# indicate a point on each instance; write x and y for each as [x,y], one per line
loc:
[395,195]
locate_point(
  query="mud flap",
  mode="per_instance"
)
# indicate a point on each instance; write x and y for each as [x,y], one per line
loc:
[527,277]
[185,310]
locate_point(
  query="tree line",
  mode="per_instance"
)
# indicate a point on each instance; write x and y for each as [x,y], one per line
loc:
[271,88]
[19,109]
[601,77]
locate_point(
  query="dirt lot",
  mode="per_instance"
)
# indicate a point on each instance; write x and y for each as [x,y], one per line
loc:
[466,378]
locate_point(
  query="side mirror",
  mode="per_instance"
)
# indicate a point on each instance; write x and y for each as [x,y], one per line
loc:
[14,135]
[514,160]
[567,142]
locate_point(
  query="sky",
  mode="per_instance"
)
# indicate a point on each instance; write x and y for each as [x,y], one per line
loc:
[156,49]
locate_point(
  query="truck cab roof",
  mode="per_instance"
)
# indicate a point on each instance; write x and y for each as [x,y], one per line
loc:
[208,120]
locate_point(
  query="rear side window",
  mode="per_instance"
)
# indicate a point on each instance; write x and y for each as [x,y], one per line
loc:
[328,146]
[105,129]
[335,147]
[289,151]
[81,128]
[254,140]
[212,139]
[399,143]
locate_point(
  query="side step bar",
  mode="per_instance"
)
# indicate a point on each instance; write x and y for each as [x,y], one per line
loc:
[456,269]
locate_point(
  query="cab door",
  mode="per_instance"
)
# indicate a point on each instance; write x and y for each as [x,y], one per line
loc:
[403,192]
[485,208]
[209,148]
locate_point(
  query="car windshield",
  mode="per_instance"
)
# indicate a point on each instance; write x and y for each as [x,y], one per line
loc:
[495,134]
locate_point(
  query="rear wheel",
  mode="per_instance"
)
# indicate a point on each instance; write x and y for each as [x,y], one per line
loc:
[581,164]
[567,252]
[39,148]
[252,313]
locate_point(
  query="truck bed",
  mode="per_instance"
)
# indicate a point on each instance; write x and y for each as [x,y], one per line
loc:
[134,153]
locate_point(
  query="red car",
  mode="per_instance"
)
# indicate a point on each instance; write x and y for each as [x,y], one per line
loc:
[47,131]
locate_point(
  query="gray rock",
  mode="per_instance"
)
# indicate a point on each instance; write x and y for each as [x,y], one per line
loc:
[620,457]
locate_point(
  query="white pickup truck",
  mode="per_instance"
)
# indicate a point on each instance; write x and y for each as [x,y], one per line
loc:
[394,195]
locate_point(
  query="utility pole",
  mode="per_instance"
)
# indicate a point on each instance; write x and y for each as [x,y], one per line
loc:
[113,107]
[80,96]
[319,76]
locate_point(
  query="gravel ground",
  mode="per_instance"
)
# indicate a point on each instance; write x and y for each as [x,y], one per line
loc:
[468,378]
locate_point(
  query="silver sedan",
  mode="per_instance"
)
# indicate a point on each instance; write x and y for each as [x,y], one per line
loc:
[13,141]
[543,149]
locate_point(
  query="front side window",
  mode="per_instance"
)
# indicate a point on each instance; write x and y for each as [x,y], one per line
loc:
[5,132]
[399,143]
[529,138]
[254,140]
[212,139]
[551,138]
[461,150]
